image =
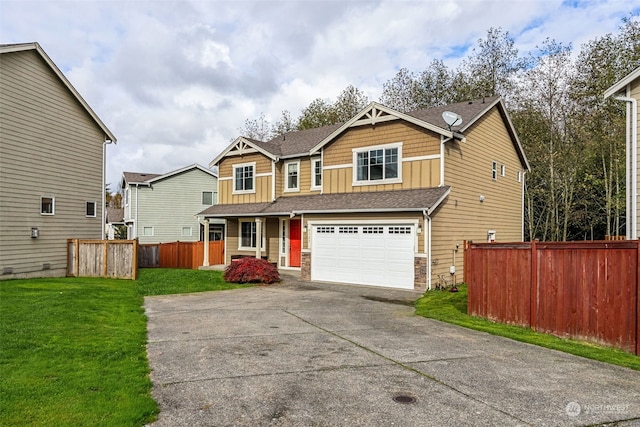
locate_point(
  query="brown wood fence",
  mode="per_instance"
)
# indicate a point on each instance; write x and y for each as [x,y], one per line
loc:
[102,258]
[583,290]
[180,254]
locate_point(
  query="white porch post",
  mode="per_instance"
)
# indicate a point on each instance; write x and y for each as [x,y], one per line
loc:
[258,237]
[205,262]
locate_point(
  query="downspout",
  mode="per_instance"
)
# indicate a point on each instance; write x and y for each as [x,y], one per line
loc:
[103,199]
[524,174]
[135,225]
[427,223]
[632,150]
[442,160]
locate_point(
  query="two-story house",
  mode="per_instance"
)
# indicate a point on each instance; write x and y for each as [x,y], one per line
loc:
[161,208]
[627,90]
[385,199]
[52,160]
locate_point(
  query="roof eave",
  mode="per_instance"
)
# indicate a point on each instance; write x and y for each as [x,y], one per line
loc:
[622,84]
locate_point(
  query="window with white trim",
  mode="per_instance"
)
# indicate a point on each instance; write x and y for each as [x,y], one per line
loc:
[494,170]
[292,181]
[519,176]
[207,198]
[377,164]
[503,170]
[90,209]
[247,238]
[47,205]
[147,231]
[316,174]
[187,231]
[244,178]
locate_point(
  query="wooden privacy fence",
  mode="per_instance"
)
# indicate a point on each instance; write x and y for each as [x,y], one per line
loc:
[582,290]
[102,258]
[180,254]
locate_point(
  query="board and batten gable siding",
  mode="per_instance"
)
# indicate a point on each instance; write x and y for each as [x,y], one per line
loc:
[263,172]
[172,203]
[304,178]
[417,143]
[49,146]
[468,170]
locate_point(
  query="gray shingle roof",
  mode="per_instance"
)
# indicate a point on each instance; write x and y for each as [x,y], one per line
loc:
[380,201]
[301,142]
[138,177]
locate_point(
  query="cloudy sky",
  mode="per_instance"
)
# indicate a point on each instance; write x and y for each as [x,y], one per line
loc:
[175,80]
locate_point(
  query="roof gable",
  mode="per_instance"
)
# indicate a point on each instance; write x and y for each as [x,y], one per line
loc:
[621,84]
[309,142]
[243,145]
[23,47]
[141,178]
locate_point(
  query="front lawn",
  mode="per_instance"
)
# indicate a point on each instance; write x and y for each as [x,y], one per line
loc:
[451,307]
[73,350]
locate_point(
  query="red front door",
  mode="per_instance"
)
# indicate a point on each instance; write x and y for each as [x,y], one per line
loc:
[294,243]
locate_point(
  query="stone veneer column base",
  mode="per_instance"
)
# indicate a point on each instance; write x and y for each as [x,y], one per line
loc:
[420,274]
[305,266]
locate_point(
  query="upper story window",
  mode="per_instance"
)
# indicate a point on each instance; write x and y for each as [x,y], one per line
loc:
[503,170]
[90,209]
[207,198]
[316,174]
[381,163]
[292,181]
[244,178]
[47,205]
[494,170]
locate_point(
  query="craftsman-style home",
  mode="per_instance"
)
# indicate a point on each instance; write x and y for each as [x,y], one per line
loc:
[385,199]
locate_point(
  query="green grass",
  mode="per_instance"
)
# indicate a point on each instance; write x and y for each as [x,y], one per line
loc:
[451,307]
[73,350]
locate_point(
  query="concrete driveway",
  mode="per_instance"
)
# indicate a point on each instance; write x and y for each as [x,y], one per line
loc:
[303,354]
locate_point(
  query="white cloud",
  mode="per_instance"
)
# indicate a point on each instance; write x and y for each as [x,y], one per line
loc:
[175,80]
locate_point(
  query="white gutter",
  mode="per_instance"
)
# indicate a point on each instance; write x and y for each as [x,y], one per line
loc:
[632,150]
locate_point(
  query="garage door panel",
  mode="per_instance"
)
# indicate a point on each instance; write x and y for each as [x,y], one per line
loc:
[380,255]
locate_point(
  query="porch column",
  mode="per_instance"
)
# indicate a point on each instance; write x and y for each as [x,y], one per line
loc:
[205,262]
[258,237]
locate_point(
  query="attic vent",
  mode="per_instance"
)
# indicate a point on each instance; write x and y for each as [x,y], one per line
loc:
[7,270]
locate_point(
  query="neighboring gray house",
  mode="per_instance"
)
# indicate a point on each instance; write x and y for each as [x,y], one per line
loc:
[52,159]
[163,208]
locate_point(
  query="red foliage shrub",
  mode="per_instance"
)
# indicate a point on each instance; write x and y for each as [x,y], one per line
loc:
[251,270]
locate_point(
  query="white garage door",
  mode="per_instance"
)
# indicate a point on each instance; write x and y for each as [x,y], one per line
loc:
[379,255]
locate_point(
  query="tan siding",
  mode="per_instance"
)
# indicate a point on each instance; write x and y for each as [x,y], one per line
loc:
[416,143]
[49,145]
[468,172]
[263,183]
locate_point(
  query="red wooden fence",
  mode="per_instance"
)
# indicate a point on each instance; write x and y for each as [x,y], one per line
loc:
[583,290]
[189,254]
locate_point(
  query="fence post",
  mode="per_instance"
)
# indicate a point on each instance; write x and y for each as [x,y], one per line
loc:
[105,256]
[533,292]
[134,262]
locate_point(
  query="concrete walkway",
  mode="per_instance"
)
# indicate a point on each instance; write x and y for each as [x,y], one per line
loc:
[307,354]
